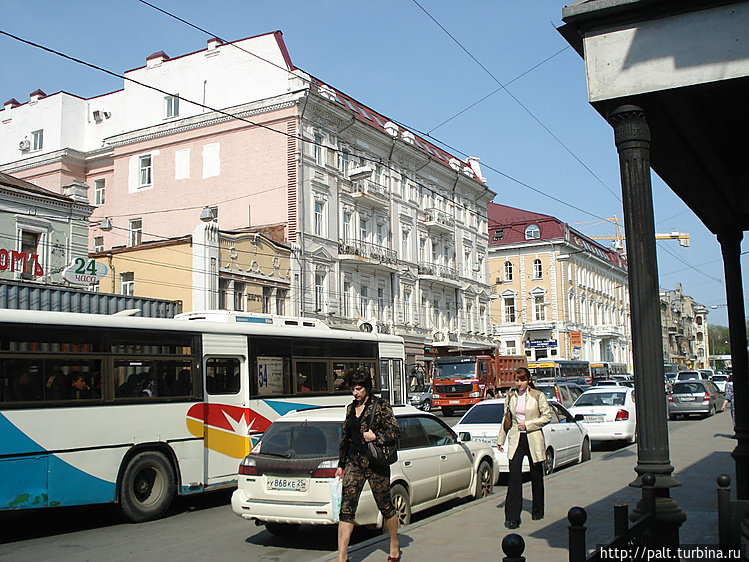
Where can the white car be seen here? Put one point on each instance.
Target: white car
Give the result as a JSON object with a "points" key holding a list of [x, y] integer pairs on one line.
{"points": [[566, 440], [286, 480], [720, 381], [608, 413]]}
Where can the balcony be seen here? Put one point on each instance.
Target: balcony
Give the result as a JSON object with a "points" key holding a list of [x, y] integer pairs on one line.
{"points": [[438, 221], [437, 273], [607, 331], [365, 253], [370, 194]]}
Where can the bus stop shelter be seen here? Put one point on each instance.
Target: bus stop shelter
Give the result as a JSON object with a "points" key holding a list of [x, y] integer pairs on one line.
{"points": [[672, 79]]}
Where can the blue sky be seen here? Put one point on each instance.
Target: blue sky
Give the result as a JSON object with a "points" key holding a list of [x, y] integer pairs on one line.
{"points": [[393, 57]]}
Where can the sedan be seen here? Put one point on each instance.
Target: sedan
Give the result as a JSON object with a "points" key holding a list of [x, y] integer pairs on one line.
{"points": [[608, 413], [695, 397], [566, 440], [287, 479]]}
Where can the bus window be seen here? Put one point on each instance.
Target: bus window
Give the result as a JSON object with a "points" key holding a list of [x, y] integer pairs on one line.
{"points": [[222, 375], [311, 376]]}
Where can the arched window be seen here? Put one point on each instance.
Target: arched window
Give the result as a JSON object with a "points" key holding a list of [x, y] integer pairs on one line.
{"points": [[508, 271], [538, 271], [532, 232]]}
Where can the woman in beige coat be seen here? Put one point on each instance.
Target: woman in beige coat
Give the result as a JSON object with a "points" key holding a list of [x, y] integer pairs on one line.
{"points": [[529, 411]]}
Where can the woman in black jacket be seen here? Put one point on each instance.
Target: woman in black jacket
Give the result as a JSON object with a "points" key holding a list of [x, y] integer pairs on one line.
{"points": [[354, 465]]}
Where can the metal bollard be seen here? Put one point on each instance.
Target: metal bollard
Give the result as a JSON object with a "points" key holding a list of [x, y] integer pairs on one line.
{"points": [[724, 509], [513, 546], [621, 519], [577, 518]]}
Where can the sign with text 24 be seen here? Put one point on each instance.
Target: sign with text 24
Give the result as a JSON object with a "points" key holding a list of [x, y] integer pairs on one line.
{"points": [[84, 271]]}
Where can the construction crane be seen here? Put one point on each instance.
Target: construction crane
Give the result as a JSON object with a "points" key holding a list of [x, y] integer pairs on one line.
{"points": [[619, 238]]}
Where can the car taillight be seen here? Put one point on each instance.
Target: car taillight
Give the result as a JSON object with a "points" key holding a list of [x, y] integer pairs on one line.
{"points": [[706, 398], [670, 397], [622, 415], [326, 469], [248, 467]]}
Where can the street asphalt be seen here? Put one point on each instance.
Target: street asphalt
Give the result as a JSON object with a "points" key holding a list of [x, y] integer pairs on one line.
{"points": [[699, 450]]}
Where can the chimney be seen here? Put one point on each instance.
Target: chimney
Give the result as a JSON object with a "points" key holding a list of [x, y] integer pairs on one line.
{"points": [[11, 103], [36, 95], [156, 59], [77, 190], [214, 42]]}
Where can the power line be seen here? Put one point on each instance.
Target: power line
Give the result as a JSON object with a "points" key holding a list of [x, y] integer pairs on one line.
{"points": [[503, 87]]}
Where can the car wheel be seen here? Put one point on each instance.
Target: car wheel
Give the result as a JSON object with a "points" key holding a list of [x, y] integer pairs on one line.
{"points": [[447, 412], [427, 405], [402, 504], [549, 462], [585, 451], [672, 417], [282, 529], [147, 487], [484, 481]]}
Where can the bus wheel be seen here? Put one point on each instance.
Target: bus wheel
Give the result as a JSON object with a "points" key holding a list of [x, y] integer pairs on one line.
{"points": [[147, 487]]}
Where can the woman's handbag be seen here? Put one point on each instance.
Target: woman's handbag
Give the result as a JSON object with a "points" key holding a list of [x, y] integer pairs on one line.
{"points": [[507, 421], [380, 455]]}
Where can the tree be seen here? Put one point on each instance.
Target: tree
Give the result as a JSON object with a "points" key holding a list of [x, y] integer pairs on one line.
{"points": [[720, 342]]}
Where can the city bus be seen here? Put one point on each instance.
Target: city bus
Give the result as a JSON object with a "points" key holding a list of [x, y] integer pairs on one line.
{"points": [[133, 411], [559, 368], [606, 369]]}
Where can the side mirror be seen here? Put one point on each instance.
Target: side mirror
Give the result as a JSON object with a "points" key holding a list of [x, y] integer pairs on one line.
{"points": [[464, 436], [579, 417]]}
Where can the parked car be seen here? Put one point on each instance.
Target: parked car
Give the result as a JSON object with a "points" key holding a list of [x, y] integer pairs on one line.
{"points": [[706, 373], [285, 480], [694, 397], [688, 376], [720, 381], [420, 396], [608, 413], [563, 392], [566, 440]]}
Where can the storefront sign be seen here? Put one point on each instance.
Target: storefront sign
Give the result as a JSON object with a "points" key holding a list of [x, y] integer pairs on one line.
{"points": [[84, 272], [576, 339], [20, 261], [543, 343]]}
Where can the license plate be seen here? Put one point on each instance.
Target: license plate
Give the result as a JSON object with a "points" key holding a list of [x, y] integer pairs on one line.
{"points": [[454, 401], [489, 440], [595, 419], [286, 484], [686, 398]]}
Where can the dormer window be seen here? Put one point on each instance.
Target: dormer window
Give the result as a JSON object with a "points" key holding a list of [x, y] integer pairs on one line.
{"points": [[532, 232]]}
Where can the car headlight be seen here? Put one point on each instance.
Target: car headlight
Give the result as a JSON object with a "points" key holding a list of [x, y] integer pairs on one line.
{"points": [[437, 396]]}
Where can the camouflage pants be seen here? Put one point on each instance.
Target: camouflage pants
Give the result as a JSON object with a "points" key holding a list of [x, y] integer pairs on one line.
{"points": [[353, 482]]}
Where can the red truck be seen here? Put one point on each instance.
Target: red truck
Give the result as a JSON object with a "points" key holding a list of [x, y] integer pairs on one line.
{"points": [[462, 378]]}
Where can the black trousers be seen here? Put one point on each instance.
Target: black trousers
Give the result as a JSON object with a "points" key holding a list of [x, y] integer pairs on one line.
{"points": [[514, 499]]}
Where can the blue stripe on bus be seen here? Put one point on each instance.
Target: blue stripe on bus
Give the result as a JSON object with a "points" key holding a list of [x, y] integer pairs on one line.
{"points": [[41, 479]]}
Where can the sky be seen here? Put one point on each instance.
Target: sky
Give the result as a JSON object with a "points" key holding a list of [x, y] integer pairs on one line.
{"points": [[436, 66]]}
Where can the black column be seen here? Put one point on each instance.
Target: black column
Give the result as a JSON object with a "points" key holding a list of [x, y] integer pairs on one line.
{"points": [[632, 138], [730, 245]]}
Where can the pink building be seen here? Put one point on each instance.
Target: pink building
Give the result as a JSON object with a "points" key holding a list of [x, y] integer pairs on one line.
{"points": [[387, 229]]}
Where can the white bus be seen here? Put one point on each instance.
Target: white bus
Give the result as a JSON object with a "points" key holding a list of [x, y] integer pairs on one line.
{"points": [[99, 409]]}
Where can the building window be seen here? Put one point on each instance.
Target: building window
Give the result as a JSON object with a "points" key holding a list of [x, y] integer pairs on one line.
{"points": [[223, 294], [127, 284], [346, 227], [144, 163], [381, 304], [343, 162], [407, 314], [239, 296], [317, 150], [380, 233], [538, 271], [347, 299], [499, 235], [281, 296], [267, 300], [508, 271], [135, 232], [319, 217], [532, 232], [510, 310], [363, 230], [539, 308], [406, 245], [319, 292], [172, 106], [511, 347], [363, 301], [37, 139], [29, 246], [98, 243], [98, 192]]}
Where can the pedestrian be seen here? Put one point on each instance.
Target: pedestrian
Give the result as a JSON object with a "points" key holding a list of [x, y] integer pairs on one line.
{"points": [[529, 412], [354, 466], [729, 398]]}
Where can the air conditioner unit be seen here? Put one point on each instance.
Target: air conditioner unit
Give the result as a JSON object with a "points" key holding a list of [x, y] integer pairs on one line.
{"points": [[25, 144], [98, 115], [365, 326]]}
